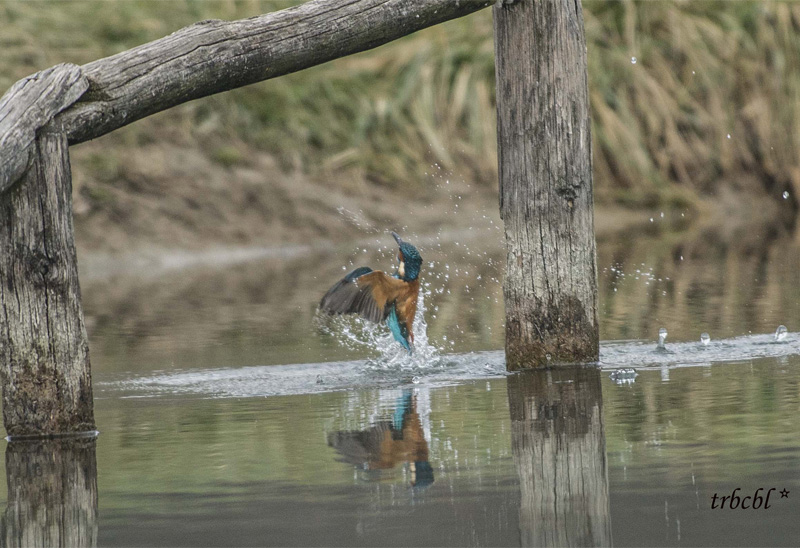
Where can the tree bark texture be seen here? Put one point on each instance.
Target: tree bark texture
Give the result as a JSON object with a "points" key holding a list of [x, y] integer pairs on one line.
{"points": [[26, 107], [545, 170], [558, 443], [44, 354], [214, 56], [52, 493]]}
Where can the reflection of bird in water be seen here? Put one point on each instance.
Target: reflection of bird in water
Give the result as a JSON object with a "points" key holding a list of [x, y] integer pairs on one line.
{"points": [[389, 442], [379, 297]]}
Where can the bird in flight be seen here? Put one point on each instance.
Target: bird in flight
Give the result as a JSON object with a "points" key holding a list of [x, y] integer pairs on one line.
{"points": [[380, 297]]}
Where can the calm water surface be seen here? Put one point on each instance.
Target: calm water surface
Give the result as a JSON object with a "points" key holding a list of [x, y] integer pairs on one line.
{"points": [[210, 436]]}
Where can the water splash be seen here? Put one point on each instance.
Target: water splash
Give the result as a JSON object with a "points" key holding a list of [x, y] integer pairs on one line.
{"points": [[705, 339], [662, 337], [279, 380], [355, 332], [311, 378], [780, 333], [624, 375], [637, 353]]}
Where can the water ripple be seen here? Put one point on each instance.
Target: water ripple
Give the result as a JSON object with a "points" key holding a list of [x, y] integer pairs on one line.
{"points": [[642, 354], [284, 380], [281, 380]]}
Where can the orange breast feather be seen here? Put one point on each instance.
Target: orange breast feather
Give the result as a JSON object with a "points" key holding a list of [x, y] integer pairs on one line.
{"points": [[387, 289], [407, 306]]}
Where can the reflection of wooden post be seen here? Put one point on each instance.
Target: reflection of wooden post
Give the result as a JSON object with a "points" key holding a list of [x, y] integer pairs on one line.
{"points": [[44, 353], [52, 493], [558, 443], [545, 171]]}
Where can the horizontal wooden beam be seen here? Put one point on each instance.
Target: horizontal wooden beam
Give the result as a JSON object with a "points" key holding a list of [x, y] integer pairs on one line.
{"points": [[214, 56], [28, 106]]}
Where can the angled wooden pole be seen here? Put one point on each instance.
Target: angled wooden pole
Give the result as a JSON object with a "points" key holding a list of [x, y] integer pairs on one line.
{"points": [[545, 169]]}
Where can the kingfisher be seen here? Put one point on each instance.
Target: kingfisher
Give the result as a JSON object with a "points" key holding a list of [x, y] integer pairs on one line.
{"points": [[380, 297]]}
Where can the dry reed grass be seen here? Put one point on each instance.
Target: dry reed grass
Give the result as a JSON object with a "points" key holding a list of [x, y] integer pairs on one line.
{"points": [[704, 70]]}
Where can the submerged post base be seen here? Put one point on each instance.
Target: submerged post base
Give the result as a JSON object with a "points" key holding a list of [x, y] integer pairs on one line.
{"points": [[66, 436]]}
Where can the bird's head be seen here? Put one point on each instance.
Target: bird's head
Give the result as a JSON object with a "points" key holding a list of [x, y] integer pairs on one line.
{"points": [[410, 260]]}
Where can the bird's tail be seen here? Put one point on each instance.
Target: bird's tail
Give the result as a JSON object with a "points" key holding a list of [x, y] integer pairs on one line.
{"points": [[399, 332]]}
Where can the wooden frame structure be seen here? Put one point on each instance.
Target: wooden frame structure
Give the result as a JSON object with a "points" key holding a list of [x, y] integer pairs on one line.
{"points": [[545, 174]]}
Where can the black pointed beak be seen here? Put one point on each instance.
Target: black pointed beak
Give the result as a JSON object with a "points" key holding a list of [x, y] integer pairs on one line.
{"points": [[397, 238]]}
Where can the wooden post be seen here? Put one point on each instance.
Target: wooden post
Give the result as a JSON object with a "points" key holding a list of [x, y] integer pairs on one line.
{"points": [[44, 354], [545, 169], [558, 443], [52, 493]]}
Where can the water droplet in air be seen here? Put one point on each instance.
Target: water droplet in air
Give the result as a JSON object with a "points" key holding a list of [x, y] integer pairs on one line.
{"points": [[786, 195], [633, 60], [729, 135], [548, 357], [780, 333], [662, 336], [705, 338]]}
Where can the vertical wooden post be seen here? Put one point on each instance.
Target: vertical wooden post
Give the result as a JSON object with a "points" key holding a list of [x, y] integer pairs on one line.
{"points": [[545, 169], [44, 354], [558, 443], [52, 493]]}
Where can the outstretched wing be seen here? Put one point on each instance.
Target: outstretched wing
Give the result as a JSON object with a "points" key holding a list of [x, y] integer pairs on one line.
{"points": [[365, 292]]}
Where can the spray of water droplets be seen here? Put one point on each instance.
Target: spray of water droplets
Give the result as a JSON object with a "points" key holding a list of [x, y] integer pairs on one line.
{"points": [[357, 333]]}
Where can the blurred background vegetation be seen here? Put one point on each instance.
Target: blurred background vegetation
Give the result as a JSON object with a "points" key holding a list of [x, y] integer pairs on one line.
{"points": [[695, 105]]}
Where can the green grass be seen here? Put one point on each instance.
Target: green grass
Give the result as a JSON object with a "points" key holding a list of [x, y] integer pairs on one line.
{"points": [[704, 70]]}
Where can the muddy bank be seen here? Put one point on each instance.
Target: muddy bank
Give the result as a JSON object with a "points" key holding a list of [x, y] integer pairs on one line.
{"points": [[162, 207], [160, 197]]}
